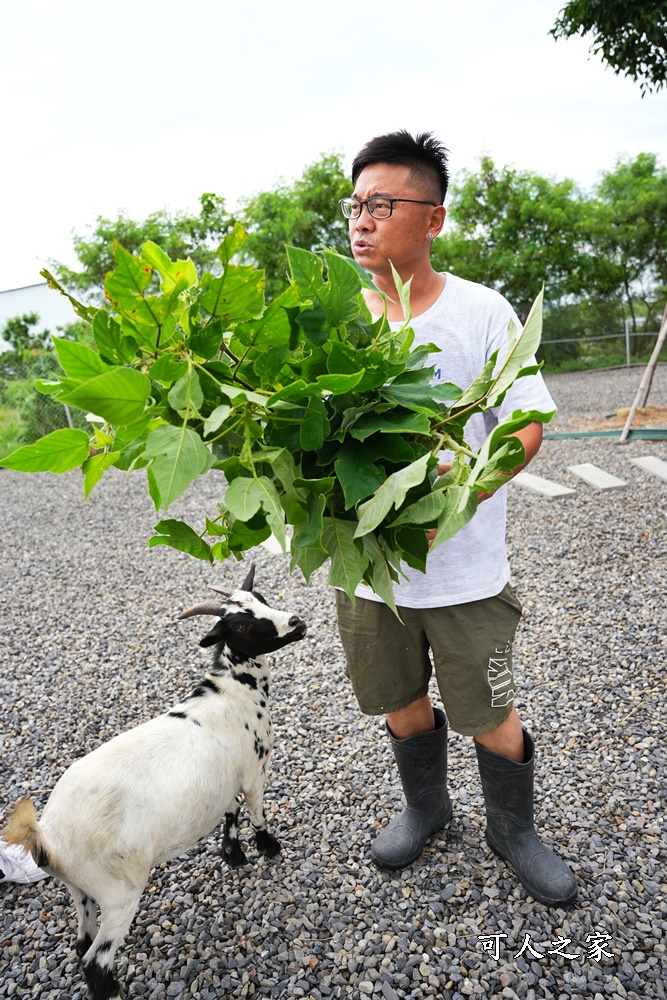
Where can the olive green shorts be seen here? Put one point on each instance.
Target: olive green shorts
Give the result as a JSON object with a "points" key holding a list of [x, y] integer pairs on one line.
{"points": [[471, 649]]}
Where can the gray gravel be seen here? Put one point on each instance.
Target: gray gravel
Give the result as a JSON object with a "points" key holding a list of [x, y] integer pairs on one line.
{"points": [[89, 646]]}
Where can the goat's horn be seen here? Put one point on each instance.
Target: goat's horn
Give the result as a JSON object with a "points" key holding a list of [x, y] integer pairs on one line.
{"points": [[219, 590], [208, 608], [249, 581]]}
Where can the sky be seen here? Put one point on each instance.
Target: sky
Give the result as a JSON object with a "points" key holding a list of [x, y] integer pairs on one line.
{"points": [[139, 105]]}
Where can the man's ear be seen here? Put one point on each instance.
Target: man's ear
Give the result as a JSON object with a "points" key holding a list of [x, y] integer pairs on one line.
{"points": [[437, 220]]}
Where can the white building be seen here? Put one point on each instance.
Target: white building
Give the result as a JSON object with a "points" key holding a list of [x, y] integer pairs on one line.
{"points": [[54, 310]]}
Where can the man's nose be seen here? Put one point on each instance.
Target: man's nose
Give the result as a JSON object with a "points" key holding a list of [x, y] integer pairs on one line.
{"points": [[364, 220]]}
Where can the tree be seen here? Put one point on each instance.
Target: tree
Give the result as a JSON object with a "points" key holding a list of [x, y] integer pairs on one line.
{"points": [[19, 334], [514, 230], [631, 37], [304, 213], [629, 230], [181, 235]]}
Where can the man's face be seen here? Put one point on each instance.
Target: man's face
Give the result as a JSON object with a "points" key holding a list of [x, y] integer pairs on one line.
{"points": [[402, 237]]}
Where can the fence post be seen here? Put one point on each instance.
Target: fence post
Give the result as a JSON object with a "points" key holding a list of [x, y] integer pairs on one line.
{"points": [[627, 342]]}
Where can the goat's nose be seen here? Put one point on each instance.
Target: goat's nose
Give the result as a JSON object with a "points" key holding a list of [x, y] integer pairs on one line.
{"points": [[297, 623]]}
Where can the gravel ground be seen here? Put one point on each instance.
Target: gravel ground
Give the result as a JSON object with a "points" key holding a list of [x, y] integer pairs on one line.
{"points": [[89, 646]]}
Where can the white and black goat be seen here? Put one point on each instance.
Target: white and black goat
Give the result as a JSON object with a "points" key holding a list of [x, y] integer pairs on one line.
{"points": [[153, 792]]}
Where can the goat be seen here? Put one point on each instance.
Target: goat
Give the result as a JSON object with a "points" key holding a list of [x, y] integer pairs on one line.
{"points": [[154, 791]]}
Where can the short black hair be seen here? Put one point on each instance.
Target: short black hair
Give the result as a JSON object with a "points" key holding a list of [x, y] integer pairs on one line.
{"points": [[423, 153]]}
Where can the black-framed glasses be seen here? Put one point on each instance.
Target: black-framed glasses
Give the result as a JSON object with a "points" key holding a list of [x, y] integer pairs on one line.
{"points": [[379, 206]]}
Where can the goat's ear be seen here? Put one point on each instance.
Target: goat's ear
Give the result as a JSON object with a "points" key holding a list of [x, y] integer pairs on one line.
{"points": [[215, 636], [249, 580]]}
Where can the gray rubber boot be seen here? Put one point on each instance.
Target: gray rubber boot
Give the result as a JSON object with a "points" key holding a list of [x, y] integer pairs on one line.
{"points": [[422, 766], [508, 793]]}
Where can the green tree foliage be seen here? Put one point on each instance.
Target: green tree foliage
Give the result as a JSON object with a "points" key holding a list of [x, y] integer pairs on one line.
{"points": [[303, 213], [630, 36], [319, 417], [182, 236], [29, 355], [514, 230], [630, 231], [21, 336]]}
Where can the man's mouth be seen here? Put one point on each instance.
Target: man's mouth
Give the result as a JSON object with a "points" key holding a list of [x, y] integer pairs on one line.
{"points": [[362, 245]]}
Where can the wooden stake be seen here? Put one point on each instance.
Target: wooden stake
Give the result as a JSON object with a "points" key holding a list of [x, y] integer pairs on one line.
{"points": [[647, 378]]}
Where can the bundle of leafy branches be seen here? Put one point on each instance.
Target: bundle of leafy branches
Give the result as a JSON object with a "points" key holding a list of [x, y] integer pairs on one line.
{"points": [[320, 417]]}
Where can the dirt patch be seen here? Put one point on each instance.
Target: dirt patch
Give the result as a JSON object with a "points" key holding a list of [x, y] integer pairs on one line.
{"points": [[645, 416]]}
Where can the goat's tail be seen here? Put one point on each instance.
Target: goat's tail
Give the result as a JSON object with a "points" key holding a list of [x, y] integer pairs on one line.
{"points": [[23, 829]]}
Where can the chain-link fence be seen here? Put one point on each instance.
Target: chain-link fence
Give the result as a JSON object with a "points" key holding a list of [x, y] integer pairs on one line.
{"points": [[594, 335], [25, 413]]}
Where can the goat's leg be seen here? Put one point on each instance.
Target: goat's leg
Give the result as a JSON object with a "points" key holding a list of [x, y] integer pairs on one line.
{"points": [[86, 912], [232, 851], [98, 962], [254, 797]]}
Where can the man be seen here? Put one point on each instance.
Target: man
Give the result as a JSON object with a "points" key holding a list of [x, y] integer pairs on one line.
{"points": [[462, 609]]}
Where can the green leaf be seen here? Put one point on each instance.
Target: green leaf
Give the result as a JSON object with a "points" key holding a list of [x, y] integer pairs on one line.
{"points": [[343, 301], [111, 342], [320, 486], [315, 324], [119, 395], [216, 419], [243, 497], [415, 397], [308, 531], [496, 442], [521, 349], [94, 468], [365, 277], [315, 426], [179, 535], [392, 493], [237, 295], [126, 284], [403, 289], [207, 340], [78, 361], [179, 456], [232, 243], [460, 507], [348, 562], [391, 423], [306, 269], [479, 387], [381, 572], [307, 559], [84, 312], [340, 384], [176, 275], [58, 452], [358, 476], [273, 510], [187, 392], [424, 510], [167, 369]]}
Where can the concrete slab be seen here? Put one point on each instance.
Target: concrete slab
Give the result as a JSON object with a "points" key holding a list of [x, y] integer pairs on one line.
{"points": [[597, 477], [544, 486], [655, 466]]}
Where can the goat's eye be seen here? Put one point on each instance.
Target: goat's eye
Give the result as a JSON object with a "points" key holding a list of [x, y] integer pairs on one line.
{"points": [[241, 627]]}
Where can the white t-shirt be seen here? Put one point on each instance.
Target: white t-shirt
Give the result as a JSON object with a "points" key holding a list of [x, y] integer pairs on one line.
{"points": [[468, 322]]}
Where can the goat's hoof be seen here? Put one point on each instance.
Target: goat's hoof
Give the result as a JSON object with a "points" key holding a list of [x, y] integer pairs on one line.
{"points": [[267, 843], [82, 945], [234, 856]]}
